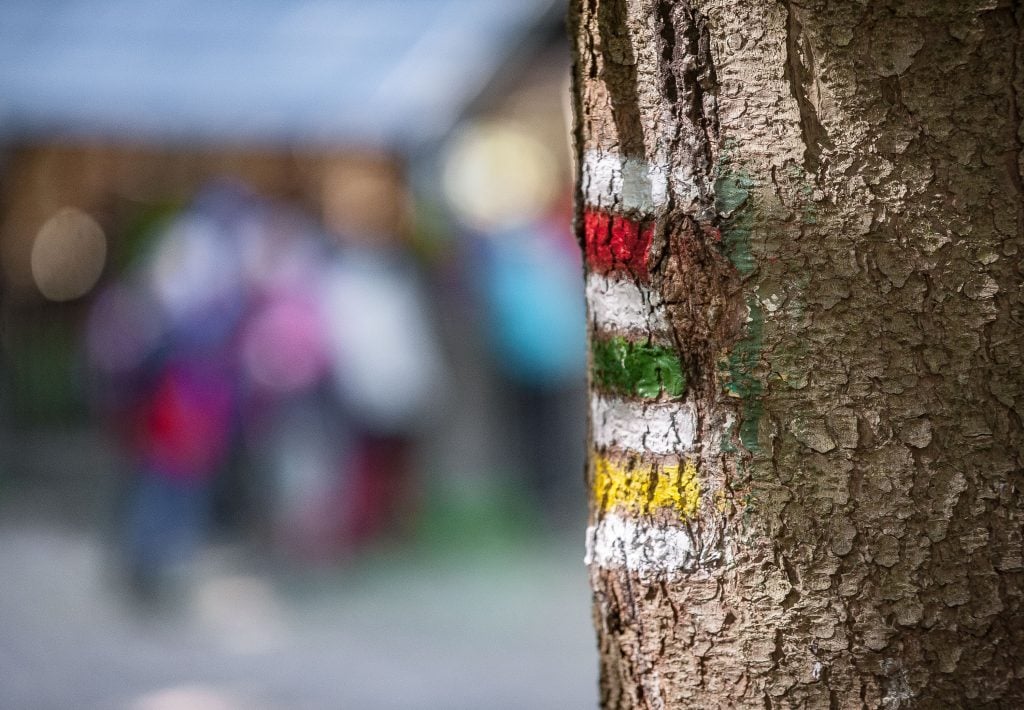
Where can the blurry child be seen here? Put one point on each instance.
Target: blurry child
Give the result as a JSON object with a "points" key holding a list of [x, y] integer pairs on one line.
{"points": [[387, 363], [163, 339]]}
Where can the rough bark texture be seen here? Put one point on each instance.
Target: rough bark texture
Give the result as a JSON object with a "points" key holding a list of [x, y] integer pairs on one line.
{"points": [[803, 225]]}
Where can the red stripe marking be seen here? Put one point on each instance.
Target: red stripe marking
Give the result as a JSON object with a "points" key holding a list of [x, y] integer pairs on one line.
{"points": [[616, 243]]}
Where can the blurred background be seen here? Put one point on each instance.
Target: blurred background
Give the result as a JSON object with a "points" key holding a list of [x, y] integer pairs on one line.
{"points": [[291, 357]]}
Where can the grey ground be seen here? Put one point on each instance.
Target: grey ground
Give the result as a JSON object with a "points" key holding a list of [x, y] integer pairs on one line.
{"points": [[487, 626], [508, 630]]}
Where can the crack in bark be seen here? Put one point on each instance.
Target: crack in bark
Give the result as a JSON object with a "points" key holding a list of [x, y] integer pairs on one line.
{"points": [[799, 72], [690, 83], [573, 29], [699, 286], [703, 292], [619, 72], [1017, 119]]}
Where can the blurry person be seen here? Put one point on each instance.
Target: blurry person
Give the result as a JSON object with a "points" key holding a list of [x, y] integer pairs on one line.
{"points": [[163, 338], [528, 276], [294, 434], [505, 187], [387, 364]]}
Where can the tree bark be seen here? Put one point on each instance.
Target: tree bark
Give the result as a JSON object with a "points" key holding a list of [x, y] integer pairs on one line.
{"points": [[802, 226]]}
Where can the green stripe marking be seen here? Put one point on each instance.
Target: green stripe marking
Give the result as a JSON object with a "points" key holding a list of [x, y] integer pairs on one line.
{"points": [[637, 369]]}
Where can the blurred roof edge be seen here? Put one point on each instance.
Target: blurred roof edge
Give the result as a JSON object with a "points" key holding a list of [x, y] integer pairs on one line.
{"points": [[310, 74]]}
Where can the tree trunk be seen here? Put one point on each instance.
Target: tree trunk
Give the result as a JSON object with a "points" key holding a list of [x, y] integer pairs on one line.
{"points": [[802, 225]]}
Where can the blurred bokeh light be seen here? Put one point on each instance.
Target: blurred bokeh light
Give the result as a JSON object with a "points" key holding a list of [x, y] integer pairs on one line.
{"points": [[497, 175], [68, 255]]}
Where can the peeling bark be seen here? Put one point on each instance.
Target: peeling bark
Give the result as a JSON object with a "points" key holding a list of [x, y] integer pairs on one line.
{"points": [[818, 207]]}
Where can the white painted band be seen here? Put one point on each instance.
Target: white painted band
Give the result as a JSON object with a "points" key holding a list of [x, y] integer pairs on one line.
{"points": [[659, 428], [644, 547], [618, 303], [612, 182]]}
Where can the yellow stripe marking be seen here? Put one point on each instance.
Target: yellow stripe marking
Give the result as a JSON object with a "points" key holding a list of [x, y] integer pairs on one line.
{"points": [[642, 489]]}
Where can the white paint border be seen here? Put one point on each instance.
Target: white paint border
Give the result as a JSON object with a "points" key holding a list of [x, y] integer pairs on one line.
{"points": [[647, 548], [618, 303], [612, 182], [659, 428]]}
